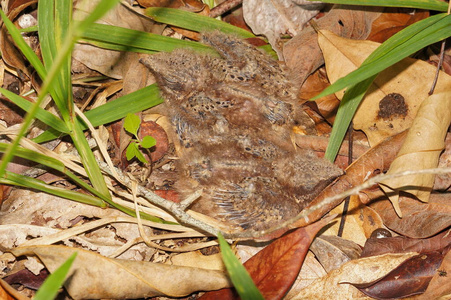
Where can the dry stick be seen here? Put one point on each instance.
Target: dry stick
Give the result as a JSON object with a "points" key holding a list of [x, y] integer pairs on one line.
{"points": [[177, 209], [437, 72], [224, 7], [346, 204]]}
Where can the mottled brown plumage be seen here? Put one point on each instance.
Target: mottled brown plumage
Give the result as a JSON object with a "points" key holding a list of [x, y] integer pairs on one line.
{"points": [[233, 117]]}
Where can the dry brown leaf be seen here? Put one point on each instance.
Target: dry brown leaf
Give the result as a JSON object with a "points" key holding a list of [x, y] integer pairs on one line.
{"points": [[439, 287], [392, 101], [196, 259], [333, 251], [114, 64], [361, 221], [420, 220], [421, 150], [276, 18], [336, 283], [93, 276], [302, 53]]}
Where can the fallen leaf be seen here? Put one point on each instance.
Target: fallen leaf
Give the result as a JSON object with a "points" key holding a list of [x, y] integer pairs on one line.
{"points": [[439, 287], [361, 221], [333, 251], [402, 244], [392, 101], [275, 268], [420, 150], [196, 259], [93, 276], [420, 220], [336, 282], [302, 53], [111, 63], [27, 278], [276, 18], [409, 278], [394, 20]]}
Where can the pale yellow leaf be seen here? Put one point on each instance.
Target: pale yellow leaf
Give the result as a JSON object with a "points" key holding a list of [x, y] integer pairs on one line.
{"points": [[93, 276], [421, 149], [409, 80]]}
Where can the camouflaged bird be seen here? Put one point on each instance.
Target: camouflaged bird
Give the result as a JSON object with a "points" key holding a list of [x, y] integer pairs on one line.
{"points": [[233, 118]]}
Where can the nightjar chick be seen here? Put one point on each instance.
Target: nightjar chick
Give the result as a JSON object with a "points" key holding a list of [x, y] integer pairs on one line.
{"points": [[232, 118]]}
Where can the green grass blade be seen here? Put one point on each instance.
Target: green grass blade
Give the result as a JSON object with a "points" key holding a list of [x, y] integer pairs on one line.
{"points": [[41, 114], [124, 39], [396, 48], [99, 11], [192, 21], [51, 163], [114, 110], [25, 181], [346, 110], [238, 274], [49, 289], [421, 4], [89, 161]]}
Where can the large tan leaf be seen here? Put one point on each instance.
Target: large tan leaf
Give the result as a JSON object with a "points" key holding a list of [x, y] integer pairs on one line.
{"points": [[421, 150], [93, 276], [392, 102]]}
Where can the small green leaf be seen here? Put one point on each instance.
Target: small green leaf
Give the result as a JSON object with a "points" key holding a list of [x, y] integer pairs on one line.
{"points": [[141, 158], [241, 279], [148, 142], [49, 289], [132, 149], [131, 124]]}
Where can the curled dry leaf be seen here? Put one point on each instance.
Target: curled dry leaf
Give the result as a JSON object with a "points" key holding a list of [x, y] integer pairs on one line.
{"points": [[333, 251], [402, 244], [93, 276], [421, 150], [302, 53], [356, 271], [392, 101], [439, 287], [409, 278], [420, 220], [394, 20], [276, 18]]}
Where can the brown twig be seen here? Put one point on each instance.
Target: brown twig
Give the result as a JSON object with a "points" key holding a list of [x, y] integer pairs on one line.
{"points": [[224, 7]]}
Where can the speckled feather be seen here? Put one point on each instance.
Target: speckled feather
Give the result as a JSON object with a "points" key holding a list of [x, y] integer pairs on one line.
{"points": [[233, 118]]}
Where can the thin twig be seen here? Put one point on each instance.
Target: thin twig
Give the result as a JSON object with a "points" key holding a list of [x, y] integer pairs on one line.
{"points": [[224, 7], [439, 66]]}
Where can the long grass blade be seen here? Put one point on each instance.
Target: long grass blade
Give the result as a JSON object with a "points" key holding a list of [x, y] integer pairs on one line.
{"points": [[114, 110], [396, 48], [346, 110], [421, 4], [124, 39], [192, 21]]}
